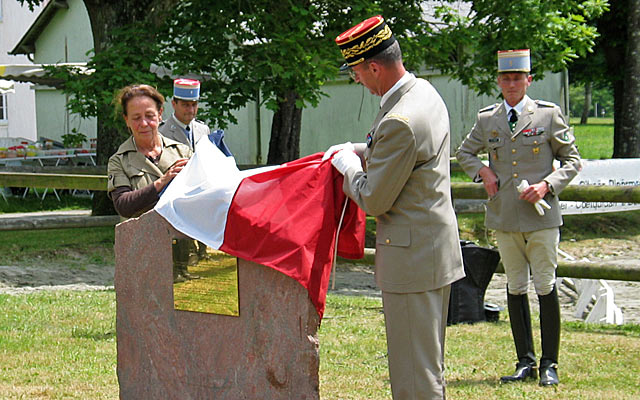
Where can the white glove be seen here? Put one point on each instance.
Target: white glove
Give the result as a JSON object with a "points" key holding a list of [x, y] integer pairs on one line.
{"points": [[346, 159], [539, 205], [336, 148]]}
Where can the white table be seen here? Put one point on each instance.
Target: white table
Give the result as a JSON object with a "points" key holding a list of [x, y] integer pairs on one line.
{"points": [[73, 158]]}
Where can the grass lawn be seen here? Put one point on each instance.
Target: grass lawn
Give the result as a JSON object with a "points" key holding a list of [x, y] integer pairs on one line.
{"points": [[31, 203], [61, 345], [58, 345], [594, 139], [69, 246]]}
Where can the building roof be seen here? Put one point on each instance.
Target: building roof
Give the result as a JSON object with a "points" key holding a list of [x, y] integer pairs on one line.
{"points": [[27, 45]]}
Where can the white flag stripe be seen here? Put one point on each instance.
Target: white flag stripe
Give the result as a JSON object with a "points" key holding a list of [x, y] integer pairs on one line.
{"points": [[197, 201]]}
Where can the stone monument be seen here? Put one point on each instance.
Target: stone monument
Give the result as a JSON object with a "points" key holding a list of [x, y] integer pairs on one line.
{"points": [[269, 351]]}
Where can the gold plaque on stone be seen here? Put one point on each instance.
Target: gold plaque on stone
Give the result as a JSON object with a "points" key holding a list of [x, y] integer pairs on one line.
{"points": [[209, 284]]}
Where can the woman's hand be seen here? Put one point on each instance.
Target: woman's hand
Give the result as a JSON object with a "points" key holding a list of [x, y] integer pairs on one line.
{"points": [[171, 173]]}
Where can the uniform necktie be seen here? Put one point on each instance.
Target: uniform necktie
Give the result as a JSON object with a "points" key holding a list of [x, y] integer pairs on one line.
{"points": [[513, 119], [189, 135]]}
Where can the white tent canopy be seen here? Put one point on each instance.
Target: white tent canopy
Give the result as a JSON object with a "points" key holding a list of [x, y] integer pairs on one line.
{"points": [[36, 73], [6, 86]]}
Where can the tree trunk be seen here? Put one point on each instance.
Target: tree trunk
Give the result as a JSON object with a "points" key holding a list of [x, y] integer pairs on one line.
{"points": [[109, 139], [285, 131], [587, 103], [627, 142], [105, 16]]}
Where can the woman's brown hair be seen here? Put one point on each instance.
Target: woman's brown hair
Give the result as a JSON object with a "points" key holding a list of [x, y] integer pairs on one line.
{"points": [[129, 92]]}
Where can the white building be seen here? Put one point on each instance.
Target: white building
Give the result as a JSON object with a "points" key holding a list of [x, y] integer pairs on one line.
{"points": [[17, 108]]}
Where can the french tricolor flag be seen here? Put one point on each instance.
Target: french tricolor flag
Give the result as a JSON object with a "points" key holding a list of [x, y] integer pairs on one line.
{"points": [[284, 217]]}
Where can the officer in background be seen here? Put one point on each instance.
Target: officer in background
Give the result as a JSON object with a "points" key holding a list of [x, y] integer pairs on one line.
{"points": [[182, 125], [184, 128], [522, 138]]}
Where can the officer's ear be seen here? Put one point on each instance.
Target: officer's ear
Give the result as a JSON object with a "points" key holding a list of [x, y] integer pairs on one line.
{"points": [[374, 66]]}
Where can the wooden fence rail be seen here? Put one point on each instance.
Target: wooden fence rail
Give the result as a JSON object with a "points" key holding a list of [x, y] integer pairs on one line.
{"points": [[53, 181], [627, 270], [590, 193], [459, 190]]}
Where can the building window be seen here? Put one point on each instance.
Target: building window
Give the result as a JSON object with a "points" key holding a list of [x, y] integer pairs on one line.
{"points": [[3, 107], [0, 10]]}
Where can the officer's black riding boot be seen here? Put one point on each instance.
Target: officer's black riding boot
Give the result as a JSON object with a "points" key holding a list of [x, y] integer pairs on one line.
{"points": [[520, 318], [550, 332]]}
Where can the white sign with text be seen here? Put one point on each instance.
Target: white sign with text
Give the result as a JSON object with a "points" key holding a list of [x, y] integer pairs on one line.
{"points": [[614, 172]]}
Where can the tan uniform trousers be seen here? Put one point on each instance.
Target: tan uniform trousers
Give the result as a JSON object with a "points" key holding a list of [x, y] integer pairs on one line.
{"points": [[415, 324], [526, 254]]}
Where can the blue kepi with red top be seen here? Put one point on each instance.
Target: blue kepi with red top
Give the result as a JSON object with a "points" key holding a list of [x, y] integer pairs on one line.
{"points": [[186, 89], [514, 61]]}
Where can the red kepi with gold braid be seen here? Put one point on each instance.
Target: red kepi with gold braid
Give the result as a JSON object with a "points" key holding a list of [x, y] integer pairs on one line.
{"points": [[364, 40]]}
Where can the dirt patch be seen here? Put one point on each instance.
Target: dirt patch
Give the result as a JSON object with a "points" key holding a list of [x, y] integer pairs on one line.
{"points": [[358, 280], [349, 279], [26, 279]]}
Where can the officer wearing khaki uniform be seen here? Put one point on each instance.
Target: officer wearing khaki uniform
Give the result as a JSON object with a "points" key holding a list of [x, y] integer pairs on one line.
{"points": [[183, 127], [522, 138], [405, 185]]}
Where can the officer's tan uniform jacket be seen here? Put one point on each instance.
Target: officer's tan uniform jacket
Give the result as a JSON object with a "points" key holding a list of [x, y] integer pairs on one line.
{"points": [[129, 167], [406, 187], [540, 135], [172, 130]]}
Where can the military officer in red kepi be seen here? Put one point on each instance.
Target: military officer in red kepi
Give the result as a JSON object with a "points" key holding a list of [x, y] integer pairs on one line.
{"points": [[404, 182]]}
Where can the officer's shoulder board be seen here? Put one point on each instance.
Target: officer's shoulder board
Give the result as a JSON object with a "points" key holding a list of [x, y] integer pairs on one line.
{"points": [[543, 103], [488, 108], [398, 116]]}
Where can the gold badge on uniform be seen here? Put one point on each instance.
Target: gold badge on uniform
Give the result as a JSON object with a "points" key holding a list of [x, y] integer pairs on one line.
{"points": [[536, 150], [494, 133]]}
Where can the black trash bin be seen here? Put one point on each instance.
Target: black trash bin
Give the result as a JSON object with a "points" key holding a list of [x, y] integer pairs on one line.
{"points": [[466, 304]]}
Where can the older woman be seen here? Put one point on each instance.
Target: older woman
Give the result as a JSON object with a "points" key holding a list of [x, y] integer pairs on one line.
{"points": [[146, 162]]}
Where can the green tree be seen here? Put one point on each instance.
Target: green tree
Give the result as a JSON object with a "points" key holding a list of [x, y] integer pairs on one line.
{"points": [[466, 42], [601, 94], [122, 54], [284, 51], [626, 86], [614, 65], [279, 52]]}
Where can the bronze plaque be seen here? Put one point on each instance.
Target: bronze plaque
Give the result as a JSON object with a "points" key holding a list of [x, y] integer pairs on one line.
{"points": [[208, 283]]}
